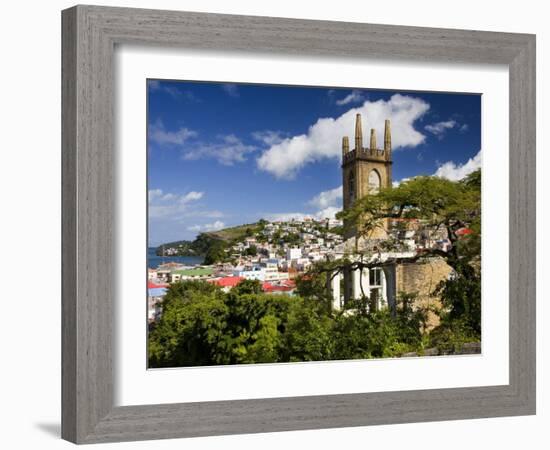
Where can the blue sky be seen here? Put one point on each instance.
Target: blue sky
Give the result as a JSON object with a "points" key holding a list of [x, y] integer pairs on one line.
{"points": [[226, 154]]}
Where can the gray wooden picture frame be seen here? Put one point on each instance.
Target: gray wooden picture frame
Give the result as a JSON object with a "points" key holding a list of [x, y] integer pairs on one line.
{"points": [[90, 34]]}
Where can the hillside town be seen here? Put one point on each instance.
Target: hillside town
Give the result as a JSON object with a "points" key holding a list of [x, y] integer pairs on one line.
{"points": [[276, 255]]}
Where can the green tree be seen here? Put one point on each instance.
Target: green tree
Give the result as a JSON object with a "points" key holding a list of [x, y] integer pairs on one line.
{"points": [[314, 287], [252, 250], [308, 334], [266, 342], [438, 202], [215, 253], [193, 322], [247, 287], [292, 239]]}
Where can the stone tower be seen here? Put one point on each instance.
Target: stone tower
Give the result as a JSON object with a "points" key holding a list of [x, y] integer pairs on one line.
{"points": [[365, 169]]}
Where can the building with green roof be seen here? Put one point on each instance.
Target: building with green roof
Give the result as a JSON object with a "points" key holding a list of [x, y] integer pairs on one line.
{"points": [[185, 274]]}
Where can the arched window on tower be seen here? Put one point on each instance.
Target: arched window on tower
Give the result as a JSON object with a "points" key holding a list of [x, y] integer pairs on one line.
{"points": [[351, 186], [374, 182]]}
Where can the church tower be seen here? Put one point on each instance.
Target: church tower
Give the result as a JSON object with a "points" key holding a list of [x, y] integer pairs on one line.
{"points": [[365, 169]]}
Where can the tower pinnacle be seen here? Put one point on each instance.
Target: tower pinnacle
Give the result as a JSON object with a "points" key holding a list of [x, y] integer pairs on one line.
{"points": [[373, 139], [345, 146], [387, 139], [358, 133]]}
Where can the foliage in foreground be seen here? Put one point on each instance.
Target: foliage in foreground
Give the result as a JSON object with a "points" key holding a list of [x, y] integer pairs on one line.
{"points": [[201, 325]]}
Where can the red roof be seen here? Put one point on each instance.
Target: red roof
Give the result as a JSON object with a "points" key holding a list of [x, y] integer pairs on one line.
{"points": [[464, 231], [227, 281], [151, 285], [268, 287]]}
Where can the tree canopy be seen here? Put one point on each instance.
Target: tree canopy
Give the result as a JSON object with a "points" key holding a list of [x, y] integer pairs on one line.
{"points": [[201, 325]]}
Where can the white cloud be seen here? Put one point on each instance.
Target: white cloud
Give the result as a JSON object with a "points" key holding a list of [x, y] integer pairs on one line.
{"points": [[452, 171], [285, 217], [227, 152], [332, 197], [191, 196], [439, 129], [269, 137], [159, 195], [354, 96], [167, 204], [217, 225], [327, 203], [455, 172], [161, 136], [173, 90], [396, 183], [323, 138], [231, 89], [327, 213], [154, 193]]}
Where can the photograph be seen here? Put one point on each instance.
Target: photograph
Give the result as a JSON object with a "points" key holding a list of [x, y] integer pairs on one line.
{"points": [[297, 223]]}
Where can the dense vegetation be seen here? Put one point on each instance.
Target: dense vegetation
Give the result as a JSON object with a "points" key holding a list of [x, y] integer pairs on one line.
{"points": [[202, 325]]}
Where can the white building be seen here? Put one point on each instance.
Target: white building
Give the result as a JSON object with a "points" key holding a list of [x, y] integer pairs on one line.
{"points": [[264, 272], [379, 282], [293, 253], [369, 282], [272, 274], [301, 264], [251, 273]]}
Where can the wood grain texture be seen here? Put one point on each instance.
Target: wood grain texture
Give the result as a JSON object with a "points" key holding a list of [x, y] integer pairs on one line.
{"points": [[89, 36], [68, 226]]}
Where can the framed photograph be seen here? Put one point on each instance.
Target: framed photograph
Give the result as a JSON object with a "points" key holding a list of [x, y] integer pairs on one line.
{"points": [[335, 219]]}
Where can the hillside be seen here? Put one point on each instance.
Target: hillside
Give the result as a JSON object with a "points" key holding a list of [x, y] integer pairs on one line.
{"points": [[206, 241], [237, 233]]}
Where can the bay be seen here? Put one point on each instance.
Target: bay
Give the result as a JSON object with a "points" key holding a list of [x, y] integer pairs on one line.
{"points": [[153, 260]]}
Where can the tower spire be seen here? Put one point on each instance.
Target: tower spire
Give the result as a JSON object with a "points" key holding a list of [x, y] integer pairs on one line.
{"points": [[358, 133], [387, 139], [373, 139], [345, 146]]}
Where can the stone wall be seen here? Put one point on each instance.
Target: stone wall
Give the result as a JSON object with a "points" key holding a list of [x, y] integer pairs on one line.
{"points": [[421, 278]]}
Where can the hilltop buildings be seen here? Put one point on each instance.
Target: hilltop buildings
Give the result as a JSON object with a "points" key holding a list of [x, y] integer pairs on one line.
{"points": [[282, 250]]}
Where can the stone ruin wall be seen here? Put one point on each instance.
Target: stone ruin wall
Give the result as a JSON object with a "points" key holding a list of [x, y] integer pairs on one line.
{"points": [[421, 278]]}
